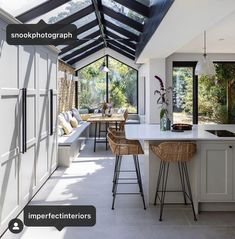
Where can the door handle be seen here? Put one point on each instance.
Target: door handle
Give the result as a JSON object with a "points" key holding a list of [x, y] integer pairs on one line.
{"points": [[51, 111], [230, 146], [24, 121], [25, 128]]}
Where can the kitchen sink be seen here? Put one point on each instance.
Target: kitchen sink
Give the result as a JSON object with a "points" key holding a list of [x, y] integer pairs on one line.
{"points": [[222, 133]]}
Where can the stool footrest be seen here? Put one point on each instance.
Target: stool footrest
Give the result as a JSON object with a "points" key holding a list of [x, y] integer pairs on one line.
{"points": [[128, 193], [126, 179], [125, 171], [127, 183]]}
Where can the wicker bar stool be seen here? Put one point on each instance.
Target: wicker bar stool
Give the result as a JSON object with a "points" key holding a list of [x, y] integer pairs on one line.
{"points": [[121, 147], [120, 126], [178, 152]]}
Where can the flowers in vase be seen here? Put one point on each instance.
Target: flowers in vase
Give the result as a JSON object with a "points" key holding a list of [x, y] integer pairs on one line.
{"points": [[163, 99]]}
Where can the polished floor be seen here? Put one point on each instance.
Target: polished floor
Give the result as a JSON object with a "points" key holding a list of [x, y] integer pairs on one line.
{"points": [[89, 181]]}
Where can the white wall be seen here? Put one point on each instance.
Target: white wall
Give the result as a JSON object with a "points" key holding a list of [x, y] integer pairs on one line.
{"points": [[149, 70]]}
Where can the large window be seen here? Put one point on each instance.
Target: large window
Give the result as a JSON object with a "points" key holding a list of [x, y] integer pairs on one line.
{"points": [[183, 94], [203, 99], [118, 87]]}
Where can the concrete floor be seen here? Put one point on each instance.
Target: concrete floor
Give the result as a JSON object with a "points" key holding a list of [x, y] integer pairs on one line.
{"points": [[89, 181]]}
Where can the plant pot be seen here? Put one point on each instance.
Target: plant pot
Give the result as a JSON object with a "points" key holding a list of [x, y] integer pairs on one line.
{"points": [[163, 123]]}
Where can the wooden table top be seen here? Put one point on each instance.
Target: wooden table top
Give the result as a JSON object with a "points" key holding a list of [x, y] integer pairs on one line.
{"points": [[99, 118]]}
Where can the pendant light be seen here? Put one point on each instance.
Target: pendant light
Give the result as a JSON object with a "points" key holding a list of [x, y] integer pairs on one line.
{"points": [[205, 66], [103, 67]]}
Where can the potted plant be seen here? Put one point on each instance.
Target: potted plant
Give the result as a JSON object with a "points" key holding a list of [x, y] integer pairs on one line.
{"points": [[165, 123]]}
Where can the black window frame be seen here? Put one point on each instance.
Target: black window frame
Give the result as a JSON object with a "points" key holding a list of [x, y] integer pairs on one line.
{"points": [[106, 57], [195, 85]]}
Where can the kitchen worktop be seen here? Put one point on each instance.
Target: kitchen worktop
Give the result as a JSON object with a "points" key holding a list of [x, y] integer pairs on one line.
{"points": [[152, 132]]}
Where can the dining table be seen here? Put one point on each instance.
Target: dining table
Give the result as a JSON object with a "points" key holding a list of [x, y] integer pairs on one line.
{"points": [[98, 119]]}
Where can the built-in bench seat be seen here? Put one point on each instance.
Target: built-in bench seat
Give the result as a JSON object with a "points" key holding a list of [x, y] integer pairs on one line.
{"points": [[69, 145], [133, 119]]}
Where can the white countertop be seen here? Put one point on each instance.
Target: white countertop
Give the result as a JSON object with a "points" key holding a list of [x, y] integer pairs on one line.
{"points": [[152, 132]]}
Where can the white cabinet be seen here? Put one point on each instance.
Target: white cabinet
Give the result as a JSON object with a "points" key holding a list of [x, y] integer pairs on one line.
{"points": [[217, 172], [33, 68]]}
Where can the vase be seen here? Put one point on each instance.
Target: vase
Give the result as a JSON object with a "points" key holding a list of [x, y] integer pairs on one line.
{"points": [[163, 123]]}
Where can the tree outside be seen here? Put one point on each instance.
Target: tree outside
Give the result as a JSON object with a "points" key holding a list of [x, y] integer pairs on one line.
{"points": [[216, 103], [122, 86]]}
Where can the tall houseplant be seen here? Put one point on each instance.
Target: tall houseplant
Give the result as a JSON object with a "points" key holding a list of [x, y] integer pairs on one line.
{"points": [[163, 101]]}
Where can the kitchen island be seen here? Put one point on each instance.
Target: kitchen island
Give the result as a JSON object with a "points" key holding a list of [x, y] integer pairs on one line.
{"points": [[212, 170]]}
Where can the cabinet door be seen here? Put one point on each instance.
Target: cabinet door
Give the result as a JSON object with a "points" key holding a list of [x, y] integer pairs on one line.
{"points": [[27, 161], [216, 172], [9, 146], [43, 113], [52, 150]]}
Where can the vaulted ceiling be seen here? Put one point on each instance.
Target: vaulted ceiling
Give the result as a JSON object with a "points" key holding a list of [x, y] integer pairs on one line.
{"points": [[114, 24]]}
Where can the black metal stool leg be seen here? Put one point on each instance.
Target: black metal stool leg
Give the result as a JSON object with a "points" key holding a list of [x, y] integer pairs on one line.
{"points": [[95, 136], [138, 173], [115, 169], [164, 184], [185, 169], [182, 182], [117, 173], [158, 182], [99, 128], [106, 132], [116, 180]]}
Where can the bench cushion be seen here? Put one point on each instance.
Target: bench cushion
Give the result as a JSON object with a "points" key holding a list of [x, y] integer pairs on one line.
{"points": [[67, 140], [132, 121]]}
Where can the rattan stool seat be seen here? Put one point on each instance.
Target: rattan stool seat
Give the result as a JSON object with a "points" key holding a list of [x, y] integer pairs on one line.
{"points": [[175, 151], [122, 146]]}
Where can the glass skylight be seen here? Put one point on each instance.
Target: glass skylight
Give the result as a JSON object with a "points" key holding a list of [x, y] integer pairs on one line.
{"points": [[16, 7], [88, 32], [84, 20], [63, 11], [124, 10], [120, 24]]}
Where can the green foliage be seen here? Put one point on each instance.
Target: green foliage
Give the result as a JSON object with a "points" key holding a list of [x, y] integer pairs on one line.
{"points": [[85, 100], [122, 86], [212, 93], [71, 7]]}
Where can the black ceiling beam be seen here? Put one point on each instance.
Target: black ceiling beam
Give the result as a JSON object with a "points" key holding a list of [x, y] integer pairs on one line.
{"points": [[158, 10], [98, 16], [79, 42], [86, 27], [121, 46], [135, 6], [122, 18], [40, 10], [121, 52], [86, 54], [122, 31], [124, 41], [77, 15], [81, 50]]}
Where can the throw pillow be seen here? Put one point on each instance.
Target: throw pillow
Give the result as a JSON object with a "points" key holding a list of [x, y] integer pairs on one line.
{"points": [[65, 125], [76, 114], [74, 122]]}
